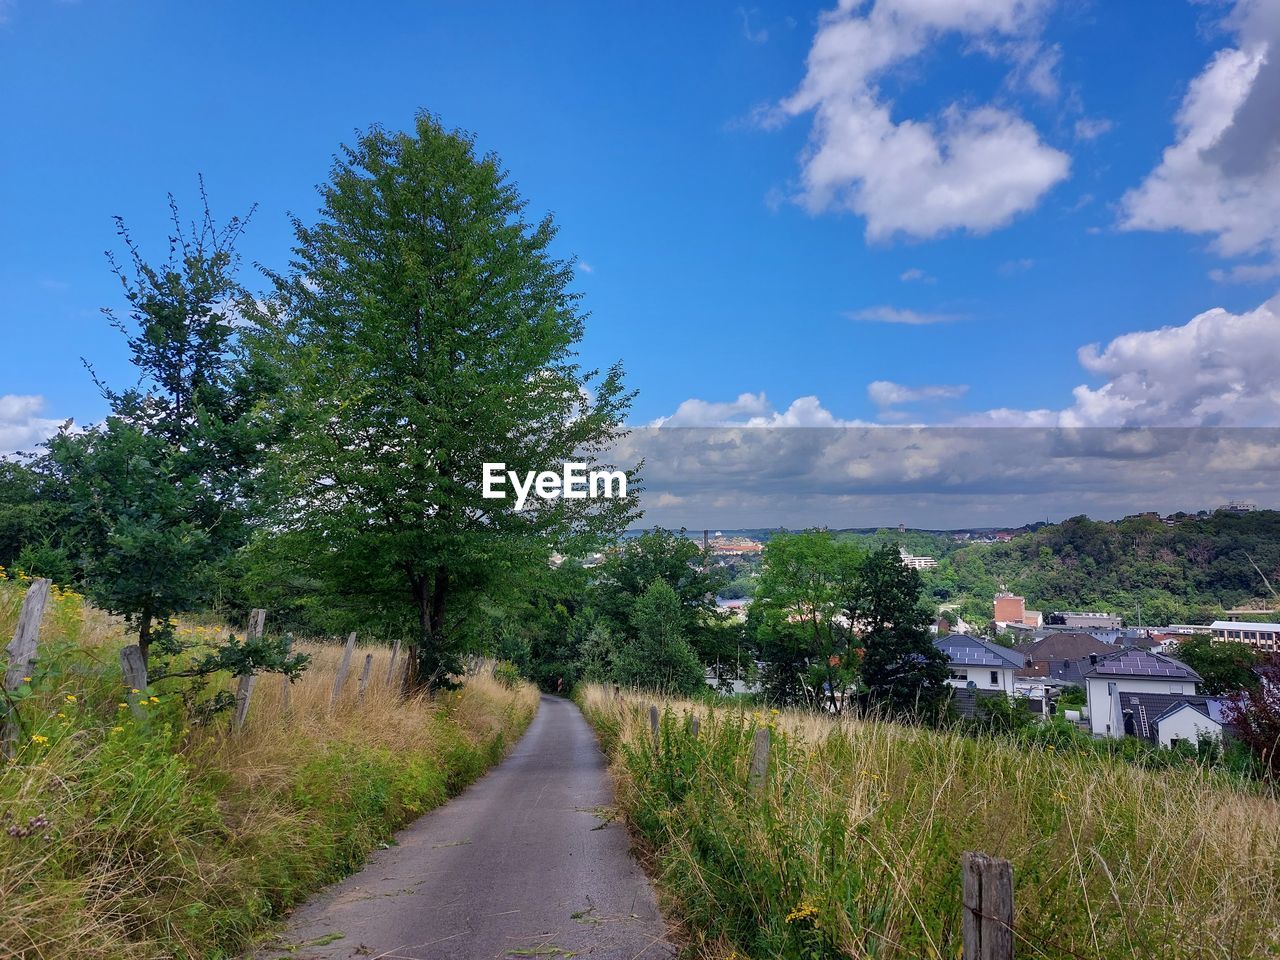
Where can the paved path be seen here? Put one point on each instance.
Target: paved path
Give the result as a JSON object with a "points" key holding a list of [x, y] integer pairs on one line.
{"points": [[524, 863]]}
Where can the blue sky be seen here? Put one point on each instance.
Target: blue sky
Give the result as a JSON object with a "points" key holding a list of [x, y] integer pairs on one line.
{"points": [[744, 226]]}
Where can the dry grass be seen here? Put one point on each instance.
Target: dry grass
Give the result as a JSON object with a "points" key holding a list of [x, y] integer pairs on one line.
{"points": [[168, 840], [858, 834]]}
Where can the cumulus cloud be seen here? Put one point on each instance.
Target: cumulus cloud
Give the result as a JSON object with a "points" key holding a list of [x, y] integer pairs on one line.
{"points": [[970, 169], [1221, 176], [22, 426], [915, 275], [751, 410], [887, 314]]}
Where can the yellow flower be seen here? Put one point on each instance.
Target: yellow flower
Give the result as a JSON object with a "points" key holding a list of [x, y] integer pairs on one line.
{"points": [[1050, 746], [155, 699], [135, 690], [61, 715], [26, 679], [37, 738], [71, 698], [117, 729], [804, 911], [123, 706]]}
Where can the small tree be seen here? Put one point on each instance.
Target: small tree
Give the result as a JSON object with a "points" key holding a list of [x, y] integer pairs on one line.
{"points": [[902, 669], [1255, 714], [1224, 666], [161, 492], [658, 656]]}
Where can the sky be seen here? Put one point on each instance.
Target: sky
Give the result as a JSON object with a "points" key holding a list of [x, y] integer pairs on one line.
{"points": [[1026, 213]]}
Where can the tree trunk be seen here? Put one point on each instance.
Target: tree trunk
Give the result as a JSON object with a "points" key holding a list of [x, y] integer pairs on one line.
{"points": [[426, 667], [144, 637]]}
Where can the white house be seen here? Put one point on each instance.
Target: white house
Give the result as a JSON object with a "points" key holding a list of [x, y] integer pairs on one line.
{"points": [[1108, 676], [1188, 721], [980, 664]]}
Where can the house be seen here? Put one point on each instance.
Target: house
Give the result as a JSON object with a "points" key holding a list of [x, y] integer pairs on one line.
{"points": [[1098, 621], [980, 664], [1059, 647], [1109, 676], [1169, 718]]}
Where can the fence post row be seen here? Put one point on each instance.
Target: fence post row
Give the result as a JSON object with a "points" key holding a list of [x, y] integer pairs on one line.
{"points": [[343, 667], [244, 689], [987, 920], [759, 760], [22, 652]]}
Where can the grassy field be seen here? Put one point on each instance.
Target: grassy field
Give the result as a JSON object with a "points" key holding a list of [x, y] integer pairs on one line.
{"points": [[148, 838], [853, 847]]}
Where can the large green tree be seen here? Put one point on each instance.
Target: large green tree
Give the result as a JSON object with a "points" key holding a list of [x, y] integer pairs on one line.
{"points": [[1224, 666], [658, 656], [426, 328], [805, 637], [902, 669]]}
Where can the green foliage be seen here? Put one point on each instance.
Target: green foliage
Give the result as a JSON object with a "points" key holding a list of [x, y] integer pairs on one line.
{"points": [[807, 585], [32, 517], [159, 493], [658, 656], [1225, 666], [424, 329], [902, 669]]}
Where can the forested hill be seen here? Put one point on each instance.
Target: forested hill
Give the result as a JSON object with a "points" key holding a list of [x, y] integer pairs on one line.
{"points": [[1182, 572]]}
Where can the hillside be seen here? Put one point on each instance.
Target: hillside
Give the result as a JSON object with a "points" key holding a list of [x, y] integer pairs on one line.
{"points": [[1186, 572]]}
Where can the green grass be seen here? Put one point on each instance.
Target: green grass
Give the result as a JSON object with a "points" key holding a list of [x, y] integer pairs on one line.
{"points": [[853, 846], [168, 840]]}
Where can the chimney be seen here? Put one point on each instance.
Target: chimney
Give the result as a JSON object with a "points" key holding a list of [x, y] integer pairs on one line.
{"points": [[1093, 659]]}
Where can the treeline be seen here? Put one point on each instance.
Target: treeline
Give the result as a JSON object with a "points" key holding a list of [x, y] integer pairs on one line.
{"points": [[315, 446], [1186, 572]]}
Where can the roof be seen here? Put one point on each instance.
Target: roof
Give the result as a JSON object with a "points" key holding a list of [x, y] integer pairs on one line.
{"points": [[1150, 708], [1067, 645], [1140, 664], [970, 651], [1243, 625]]}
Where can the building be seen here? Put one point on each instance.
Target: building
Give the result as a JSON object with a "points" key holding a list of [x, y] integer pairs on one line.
{"points": [[1009, 608], [1264, 637], [1109, 677], [1096, 621], [1168, 719], [980, 664], [916, 563], [1239, 506]]}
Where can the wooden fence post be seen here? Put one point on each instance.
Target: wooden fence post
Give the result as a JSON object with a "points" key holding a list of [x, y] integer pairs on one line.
{"points": [[391, 667], [653, 726], [134, 670], [244, 689], [987, 920], [695, 724], [22, 652], [759, 760], [343, 667], [364, 675]]}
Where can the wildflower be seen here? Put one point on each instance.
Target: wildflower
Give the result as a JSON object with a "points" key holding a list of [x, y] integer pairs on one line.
{"points": [[775, 712], [71, 698], [804, 911], [37, 738], [61, 715], [26, 679], [1050, 747], [135, 690], [155, 699], [117, 729], [123, 706]]}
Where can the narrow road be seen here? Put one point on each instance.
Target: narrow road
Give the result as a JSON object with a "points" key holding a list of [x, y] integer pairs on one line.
{"points": [[527, 862]]}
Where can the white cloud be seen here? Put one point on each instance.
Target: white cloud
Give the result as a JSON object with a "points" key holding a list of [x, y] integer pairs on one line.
{"points": [[584, 267], [915, 275], [760, 35], [751, 410], [886, 393], [1221, 176], [1218, 369], [1090, 128], [1010, 267], [972, 169], [887, 314], [21, 425]]}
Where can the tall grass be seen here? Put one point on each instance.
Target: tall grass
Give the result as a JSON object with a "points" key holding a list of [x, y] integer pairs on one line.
{"points": [[853, 846], [152, 837]]}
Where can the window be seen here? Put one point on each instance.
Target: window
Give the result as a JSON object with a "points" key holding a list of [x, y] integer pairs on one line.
{"points": [[959, 674], [1175, 688], [995, 678]]}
